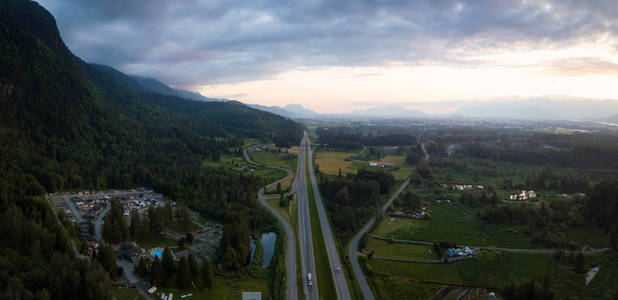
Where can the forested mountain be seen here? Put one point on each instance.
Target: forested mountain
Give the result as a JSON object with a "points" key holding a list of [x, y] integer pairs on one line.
{"points": [[159, 87], [66, 124]]}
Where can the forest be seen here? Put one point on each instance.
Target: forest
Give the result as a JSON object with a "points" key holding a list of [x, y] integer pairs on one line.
{"points": [[353, 198], [66, 125]]}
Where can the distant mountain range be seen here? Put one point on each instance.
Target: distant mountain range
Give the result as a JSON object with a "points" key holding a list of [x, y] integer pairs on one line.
{"points": [[538, 109]]}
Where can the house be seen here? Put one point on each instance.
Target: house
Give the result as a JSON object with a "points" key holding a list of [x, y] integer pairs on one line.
{"points": [[371, 164], [387, 165]]}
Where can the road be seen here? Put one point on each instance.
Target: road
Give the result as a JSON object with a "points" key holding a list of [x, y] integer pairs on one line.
{"points": [[353, 248], [98, 223], [341, 286], [290, 252], [515, 250], [305, 239]]}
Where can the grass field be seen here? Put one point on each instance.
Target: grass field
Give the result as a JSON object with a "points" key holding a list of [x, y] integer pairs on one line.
{"points": [[331, 161], [160, 241], [393, 288], [127, 294], [498, 269], [279, 159], [325, 278], [399, 250], [226, 288]]}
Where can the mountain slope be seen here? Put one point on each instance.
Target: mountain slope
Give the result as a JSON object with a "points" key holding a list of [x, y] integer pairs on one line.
{"points": [[156, 86], [66, 125]]}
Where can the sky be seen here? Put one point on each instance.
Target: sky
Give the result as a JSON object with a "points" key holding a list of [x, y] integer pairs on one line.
{"points": [[338, 56]]}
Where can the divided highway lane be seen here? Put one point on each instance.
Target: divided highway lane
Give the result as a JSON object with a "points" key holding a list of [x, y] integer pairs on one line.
{"points": [[305, 240], [341, 286], [353, 248], [290, 252]]}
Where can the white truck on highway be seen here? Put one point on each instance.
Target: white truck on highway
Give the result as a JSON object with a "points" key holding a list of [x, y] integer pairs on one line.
{"points": [[309, 279]]}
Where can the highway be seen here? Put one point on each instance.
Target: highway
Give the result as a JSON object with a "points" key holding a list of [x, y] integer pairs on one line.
{"points": [[305, 239], [353, 248], [341, 286], [290, 252]]}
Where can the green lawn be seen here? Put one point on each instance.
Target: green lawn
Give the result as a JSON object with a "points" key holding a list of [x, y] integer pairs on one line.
{"points": [[160, 241], [127, 294], [331, 161], [498, 269], [268, 174], [390, 288], [226, 288], [279, 159], [399, 250], [456, 223], [326, 285]]}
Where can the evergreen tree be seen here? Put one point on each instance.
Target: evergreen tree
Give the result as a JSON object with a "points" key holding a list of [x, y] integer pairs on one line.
{"points": [[184, 274], [580, 263], [230, 259], [157, 273], [169, 267], [135, 226], [195, 271], [108, 259], [208, 279]]}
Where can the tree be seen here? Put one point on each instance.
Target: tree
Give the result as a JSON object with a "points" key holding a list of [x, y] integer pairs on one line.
{"points": [[230, 259], [157, 273], [169, 267], [580, 263], [281, 201], [189, 238], [135, 226], [207, 276], [108, 259], [194, 270], [184, 274], [183, 216]]}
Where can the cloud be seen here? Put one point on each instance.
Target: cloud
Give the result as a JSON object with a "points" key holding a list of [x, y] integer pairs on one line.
{"points": [[198, 42]]}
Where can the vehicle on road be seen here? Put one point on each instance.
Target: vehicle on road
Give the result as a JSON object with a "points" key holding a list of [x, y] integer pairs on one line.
{"points": [[309, 279]]}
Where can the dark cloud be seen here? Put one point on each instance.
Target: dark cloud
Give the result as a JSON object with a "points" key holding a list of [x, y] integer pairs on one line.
{"points": [[193, 42]]}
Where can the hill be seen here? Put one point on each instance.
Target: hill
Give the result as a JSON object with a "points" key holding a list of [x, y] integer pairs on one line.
{"points": [[156, 86], [66, 124]]}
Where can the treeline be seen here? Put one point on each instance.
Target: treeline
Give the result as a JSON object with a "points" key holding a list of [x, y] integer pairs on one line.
{"points": [[68, 125], [346, 138], [234, 251], [353, 198], [184, 274], [549, 223], [547, 178]]}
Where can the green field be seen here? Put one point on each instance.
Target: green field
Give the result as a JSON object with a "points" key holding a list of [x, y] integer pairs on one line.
{"points": [[399, 250], [279, 159], [325, 277], [160, 241], [494, 269], [226, 288], [331, 161], [391, 288], [127, 294]]}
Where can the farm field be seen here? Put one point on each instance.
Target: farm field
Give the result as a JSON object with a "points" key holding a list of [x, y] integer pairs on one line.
{"points": [[399, 250], [279, 159], [331, 161], [494, 269], [396, 288], [226, 288]]}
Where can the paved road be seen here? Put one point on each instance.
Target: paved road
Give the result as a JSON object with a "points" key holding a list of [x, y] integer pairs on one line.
{"points": [[305, 238], [98, 223], [290, 253], [353, 248], [341, 286], [516, 250]]}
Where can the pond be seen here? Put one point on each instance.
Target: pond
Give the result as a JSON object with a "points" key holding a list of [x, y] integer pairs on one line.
{"points": [[268, 241]]}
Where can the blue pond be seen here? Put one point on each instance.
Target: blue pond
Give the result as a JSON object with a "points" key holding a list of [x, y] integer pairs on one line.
{"points": [[268, 241]]}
